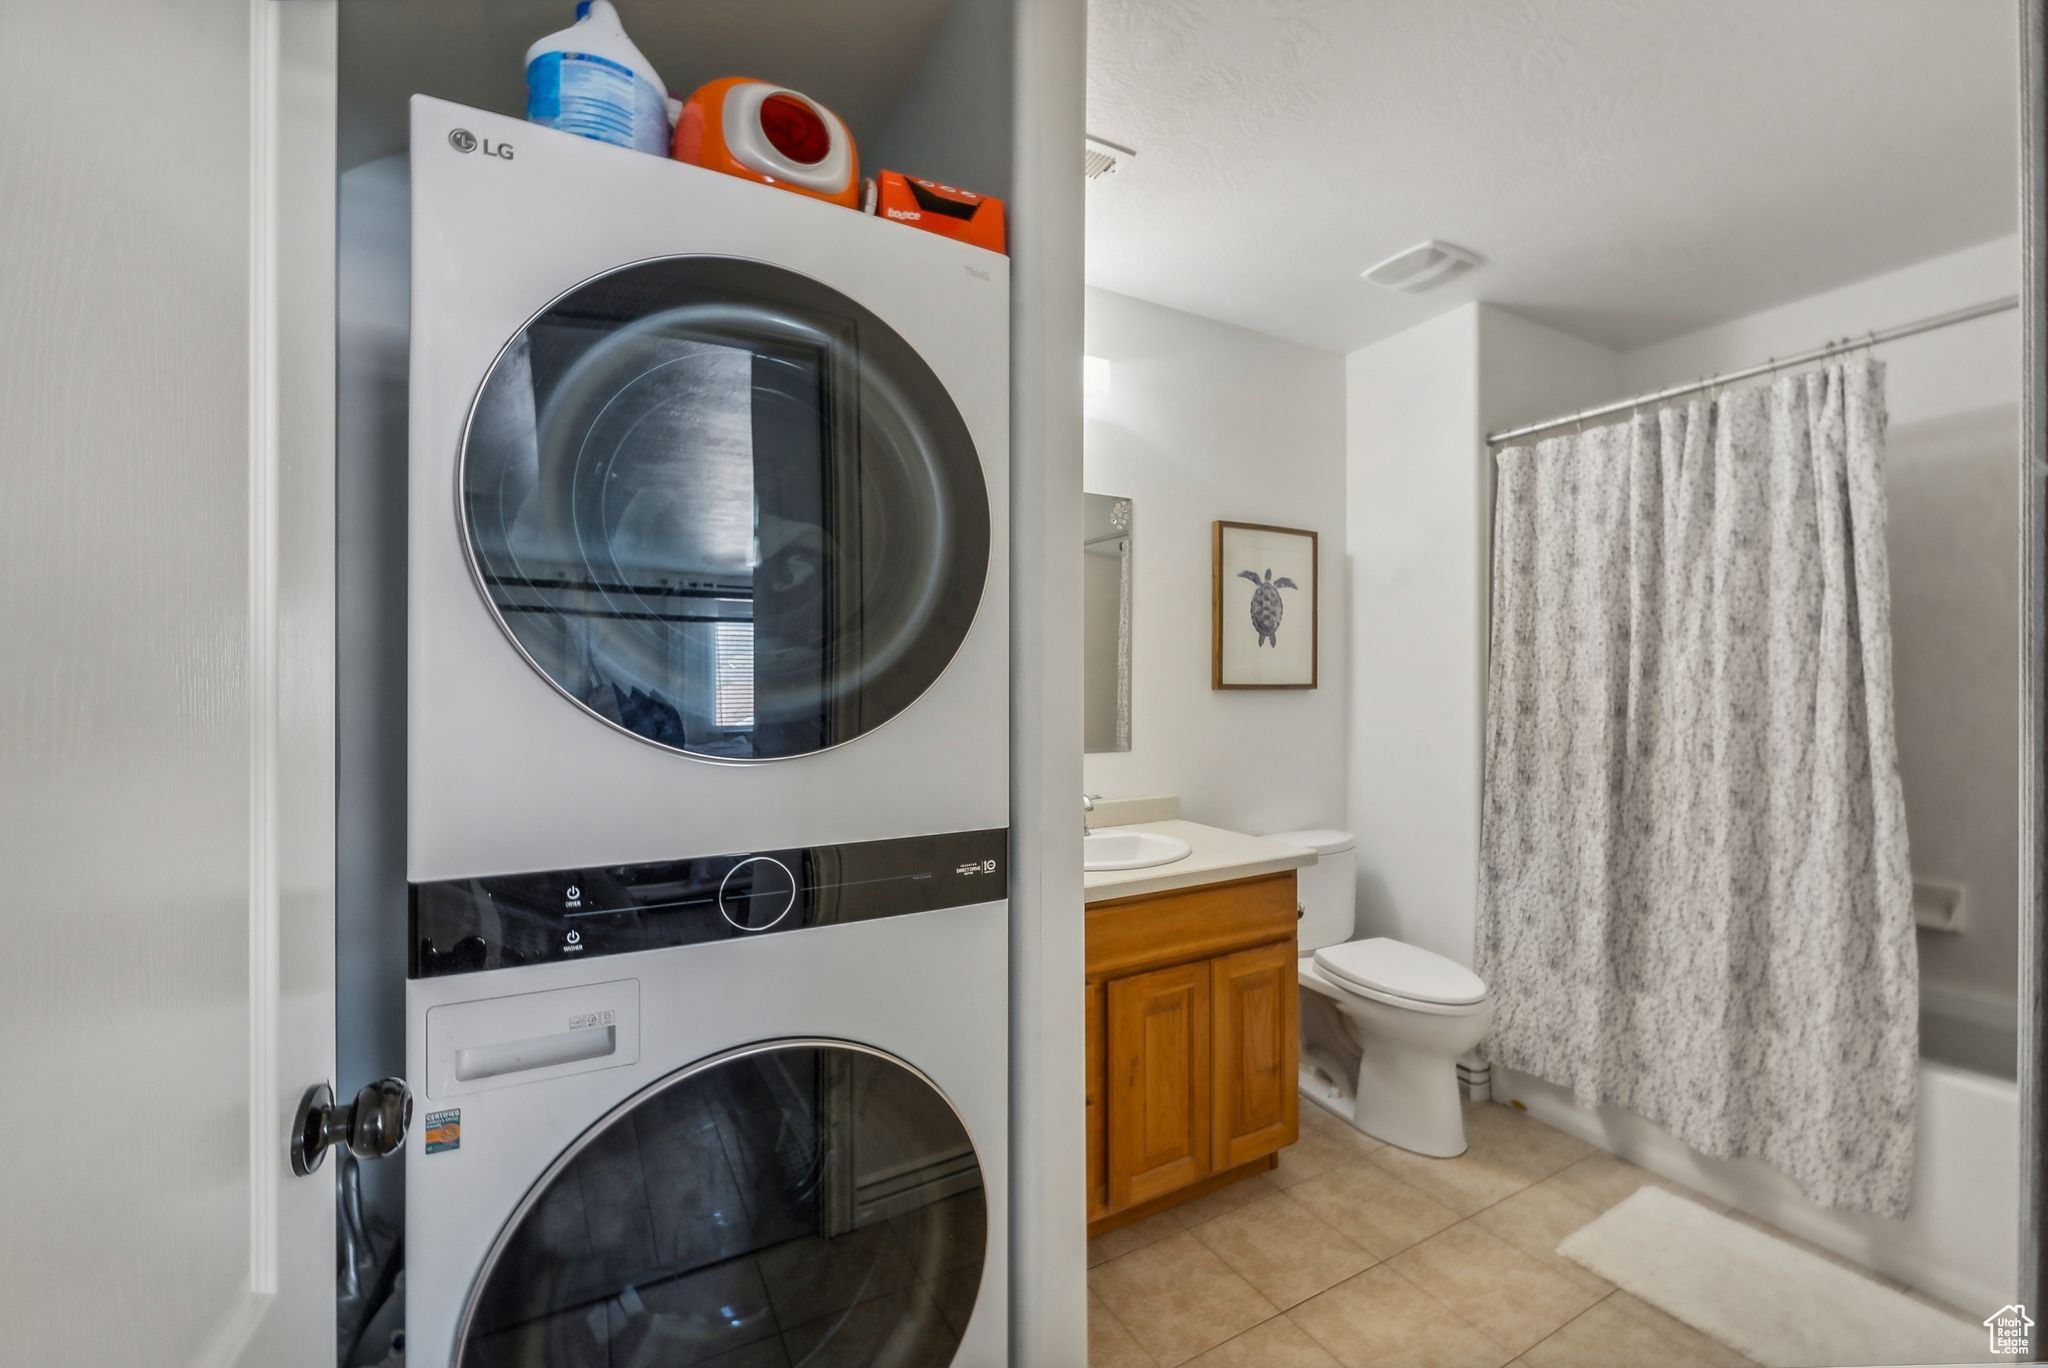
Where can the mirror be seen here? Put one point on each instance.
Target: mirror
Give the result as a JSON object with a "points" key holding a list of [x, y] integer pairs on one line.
{"points": [[1106, 622]]}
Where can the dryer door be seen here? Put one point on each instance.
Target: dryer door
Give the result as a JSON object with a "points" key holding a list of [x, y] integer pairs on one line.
{"points": [[799, 1202], [724, 508]]}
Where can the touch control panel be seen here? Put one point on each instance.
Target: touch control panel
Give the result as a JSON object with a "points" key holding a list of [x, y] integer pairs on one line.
{"points": [[757, 893], [462, 926]]}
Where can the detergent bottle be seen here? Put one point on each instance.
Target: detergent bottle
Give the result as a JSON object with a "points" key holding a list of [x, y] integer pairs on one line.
{"points": [[590, 79]]}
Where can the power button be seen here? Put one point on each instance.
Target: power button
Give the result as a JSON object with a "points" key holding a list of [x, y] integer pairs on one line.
{"points": [[756, 893]]}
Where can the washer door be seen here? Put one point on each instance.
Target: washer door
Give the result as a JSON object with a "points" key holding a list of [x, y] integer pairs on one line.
{"points": [[724, 508], [803, 1202]]}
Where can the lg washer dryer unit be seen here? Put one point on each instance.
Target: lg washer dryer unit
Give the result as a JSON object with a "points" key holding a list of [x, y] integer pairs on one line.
{"points": [[739, 1110], [707, 545]]}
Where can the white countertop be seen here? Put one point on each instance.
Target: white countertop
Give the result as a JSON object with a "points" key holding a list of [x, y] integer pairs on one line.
{"points": [[1217, 857]]}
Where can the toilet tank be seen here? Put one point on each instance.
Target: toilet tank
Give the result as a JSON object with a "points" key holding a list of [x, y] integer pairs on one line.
{"points": [[1328, 889]]}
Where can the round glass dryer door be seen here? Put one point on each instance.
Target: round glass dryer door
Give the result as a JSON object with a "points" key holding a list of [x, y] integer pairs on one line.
{"points": [[724, 508], [808, 1202]]}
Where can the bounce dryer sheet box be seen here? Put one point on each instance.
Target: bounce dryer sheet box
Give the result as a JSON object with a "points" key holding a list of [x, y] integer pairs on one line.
{"points": [[942, 209]]}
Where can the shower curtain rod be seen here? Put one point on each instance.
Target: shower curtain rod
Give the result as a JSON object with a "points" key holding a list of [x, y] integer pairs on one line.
{"points": [[1984, 310]]}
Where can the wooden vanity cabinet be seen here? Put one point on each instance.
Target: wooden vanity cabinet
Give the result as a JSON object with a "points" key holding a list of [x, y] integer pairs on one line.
{"points": [[1098, 1104], [1158, 1062], [1256, 1017], [1193, 1032]]}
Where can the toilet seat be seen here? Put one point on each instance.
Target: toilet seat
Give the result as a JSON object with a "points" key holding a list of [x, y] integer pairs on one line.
{"points": [[1394, 971], [1312, 977]]}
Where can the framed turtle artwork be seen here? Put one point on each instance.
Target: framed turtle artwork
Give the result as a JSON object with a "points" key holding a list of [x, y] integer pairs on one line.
{"points": [[1263, 614]]}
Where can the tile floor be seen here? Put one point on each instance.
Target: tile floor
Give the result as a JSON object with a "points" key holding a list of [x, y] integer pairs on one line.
{"points": [[1354, 1253]]}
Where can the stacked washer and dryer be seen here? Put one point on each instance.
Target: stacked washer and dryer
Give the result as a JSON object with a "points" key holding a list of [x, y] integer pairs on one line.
{"points": [[707, 768]]}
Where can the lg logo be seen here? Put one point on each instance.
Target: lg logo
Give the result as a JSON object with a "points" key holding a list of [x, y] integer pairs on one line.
{"points": [[462, 140]]}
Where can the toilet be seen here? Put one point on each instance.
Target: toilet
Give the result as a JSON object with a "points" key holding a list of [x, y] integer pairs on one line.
{"points": [[1382, 1022]]}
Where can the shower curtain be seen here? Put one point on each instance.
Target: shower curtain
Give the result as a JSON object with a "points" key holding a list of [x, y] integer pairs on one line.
{"points": [[1695, 900]]}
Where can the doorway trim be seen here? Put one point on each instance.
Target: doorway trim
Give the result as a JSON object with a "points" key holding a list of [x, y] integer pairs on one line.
{"points": [[2033, 967]]}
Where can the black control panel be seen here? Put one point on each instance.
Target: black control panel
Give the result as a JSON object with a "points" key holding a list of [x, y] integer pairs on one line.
{"points": [[502, 921]]}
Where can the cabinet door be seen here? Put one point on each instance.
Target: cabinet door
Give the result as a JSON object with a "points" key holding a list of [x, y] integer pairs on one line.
{"points": [[1158, 1066], [1257, 1038], [1098, 1105]]}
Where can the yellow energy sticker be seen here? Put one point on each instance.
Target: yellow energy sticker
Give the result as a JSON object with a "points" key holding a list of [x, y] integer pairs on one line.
{"points": [[444, 1130]]}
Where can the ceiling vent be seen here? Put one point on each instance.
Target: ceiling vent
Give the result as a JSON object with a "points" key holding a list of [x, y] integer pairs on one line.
{"points": [[1105, 157], [1423, 267]]}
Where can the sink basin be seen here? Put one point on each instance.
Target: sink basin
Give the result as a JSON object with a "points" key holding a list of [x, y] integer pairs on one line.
{"points": [[1131, 850]]}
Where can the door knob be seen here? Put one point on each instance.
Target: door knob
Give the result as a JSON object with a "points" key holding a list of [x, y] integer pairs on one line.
{"points": [[372, 1126]]}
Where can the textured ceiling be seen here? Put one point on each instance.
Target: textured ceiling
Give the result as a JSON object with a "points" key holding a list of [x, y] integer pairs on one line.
{"points": [[855, 57], [1632, 169]]}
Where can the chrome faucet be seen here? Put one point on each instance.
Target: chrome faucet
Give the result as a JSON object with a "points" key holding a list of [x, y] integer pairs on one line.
{"points": [[1088, 801]]}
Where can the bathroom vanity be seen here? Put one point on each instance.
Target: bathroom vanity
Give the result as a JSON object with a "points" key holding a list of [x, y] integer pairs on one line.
{"points": [[1193, 1022]]}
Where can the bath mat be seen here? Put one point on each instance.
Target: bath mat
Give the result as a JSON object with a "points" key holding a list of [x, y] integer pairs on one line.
{"points": [[1761, 1296]]}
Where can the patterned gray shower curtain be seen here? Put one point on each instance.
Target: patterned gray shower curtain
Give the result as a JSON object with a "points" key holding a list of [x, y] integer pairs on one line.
{"points": [[1695, 900]]}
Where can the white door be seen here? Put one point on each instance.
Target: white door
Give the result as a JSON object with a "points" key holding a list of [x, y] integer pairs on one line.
{"points": [[166, 679]]}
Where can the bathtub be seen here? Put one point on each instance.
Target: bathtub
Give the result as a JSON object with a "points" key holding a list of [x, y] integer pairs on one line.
{"points": [[1960, 1241]]}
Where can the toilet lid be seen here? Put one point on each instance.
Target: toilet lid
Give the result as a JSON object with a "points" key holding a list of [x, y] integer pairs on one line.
{"points": [[1401, 970]]}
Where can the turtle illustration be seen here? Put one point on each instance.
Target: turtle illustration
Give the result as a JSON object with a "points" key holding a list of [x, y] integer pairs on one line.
{"points": [[1266, 605]]}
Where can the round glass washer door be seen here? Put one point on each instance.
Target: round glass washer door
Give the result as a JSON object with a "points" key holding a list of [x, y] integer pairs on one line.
{"points": [[724, 508], [804, 1202]]}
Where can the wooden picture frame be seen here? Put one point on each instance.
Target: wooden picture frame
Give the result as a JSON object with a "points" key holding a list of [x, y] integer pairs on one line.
{"points": [[1246, 619]]}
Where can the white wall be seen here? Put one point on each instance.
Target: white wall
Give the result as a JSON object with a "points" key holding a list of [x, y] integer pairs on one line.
{"points": [[1048, 1135], [1529, 372], [1414, 516], [1953, 399], [1203, 421], [1419, 508], [1955, 370], [954, 121]]}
